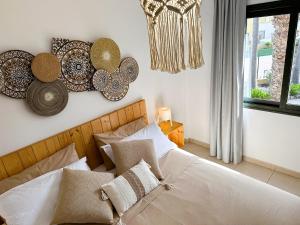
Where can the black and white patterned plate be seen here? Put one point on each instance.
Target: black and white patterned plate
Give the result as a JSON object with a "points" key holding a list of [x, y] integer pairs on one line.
{"points": [[117, 87], [101, 79], [76, 67], [15, 67], [129, 67]]}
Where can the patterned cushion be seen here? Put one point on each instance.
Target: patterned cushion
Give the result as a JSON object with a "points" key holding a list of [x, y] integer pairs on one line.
{"points": [[130, 187]]}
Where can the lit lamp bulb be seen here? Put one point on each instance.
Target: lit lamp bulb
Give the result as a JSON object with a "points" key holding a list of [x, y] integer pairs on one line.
{"points": [[165, 114]]}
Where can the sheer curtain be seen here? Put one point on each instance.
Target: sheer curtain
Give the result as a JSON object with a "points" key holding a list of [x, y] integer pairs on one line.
{"points": [[227, 81]]}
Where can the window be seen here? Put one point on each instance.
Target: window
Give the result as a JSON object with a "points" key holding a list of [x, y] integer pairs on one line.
{"points": [[272, 57]]}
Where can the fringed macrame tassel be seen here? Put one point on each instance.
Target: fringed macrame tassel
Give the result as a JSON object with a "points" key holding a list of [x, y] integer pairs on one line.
{"points": [[169, 41], [153, 46], [195, 38], [182, 44], [104, 196], [168, 187]]}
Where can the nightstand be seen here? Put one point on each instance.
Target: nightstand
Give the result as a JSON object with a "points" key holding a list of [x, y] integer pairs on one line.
{"points": [[175, 133]]}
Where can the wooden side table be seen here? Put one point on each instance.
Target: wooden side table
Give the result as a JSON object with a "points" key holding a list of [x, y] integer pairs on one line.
{"points": [[175, 133]]}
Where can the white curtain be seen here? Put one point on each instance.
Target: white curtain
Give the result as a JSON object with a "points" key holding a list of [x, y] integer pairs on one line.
{"points": [[227, 81]]}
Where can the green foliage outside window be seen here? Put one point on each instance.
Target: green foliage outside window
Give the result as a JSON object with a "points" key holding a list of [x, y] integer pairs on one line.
{"points": [[260, 94], [295, 89]]}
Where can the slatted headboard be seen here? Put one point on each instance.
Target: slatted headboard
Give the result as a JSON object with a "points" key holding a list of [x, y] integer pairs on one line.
{"points": [[81, 135]]}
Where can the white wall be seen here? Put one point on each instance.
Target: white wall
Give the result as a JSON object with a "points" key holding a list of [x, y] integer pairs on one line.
{"points": [[198, 83], [29, 25], [273, 138]]}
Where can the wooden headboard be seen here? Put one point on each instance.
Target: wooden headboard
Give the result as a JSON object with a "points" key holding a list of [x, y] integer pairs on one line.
{"points": [[81, 135]]}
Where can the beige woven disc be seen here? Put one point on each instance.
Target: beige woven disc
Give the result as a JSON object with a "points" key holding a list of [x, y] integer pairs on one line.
{"points": [[47, 99], [46, 67], [105, 54]]}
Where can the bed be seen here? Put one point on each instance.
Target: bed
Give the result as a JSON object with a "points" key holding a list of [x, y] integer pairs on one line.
{"points": [[201, 192]]}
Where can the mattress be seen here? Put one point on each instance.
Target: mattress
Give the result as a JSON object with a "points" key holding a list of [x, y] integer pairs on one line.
{"points": [[206, 193]]}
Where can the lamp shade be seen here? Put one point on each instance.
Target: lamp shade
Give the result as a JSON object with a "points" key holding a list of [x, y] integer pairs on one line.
{"points": [[164, 114]]}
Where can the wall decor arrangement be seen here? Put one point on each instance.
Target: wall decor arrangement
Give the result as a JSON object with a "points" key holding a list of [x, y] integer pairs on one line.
{"points": [[46, 79], [170, 22]]}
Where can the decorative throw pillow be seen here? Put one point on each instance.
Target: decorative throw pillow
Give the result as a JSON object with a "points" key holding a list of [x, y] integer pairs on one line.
{"points": [[115, 136], [129, 153], [79, 199], [130, 187], [56, 161]]}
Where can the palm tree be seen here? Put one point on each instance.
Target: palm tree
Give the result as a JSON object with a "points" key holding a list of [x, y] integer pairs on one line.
{"points": [[279, 39]]}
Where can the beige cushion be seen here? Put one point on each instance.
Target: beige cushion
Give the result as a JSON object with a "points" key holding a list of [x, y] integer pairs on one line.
{"points": [[130, 187], [129, 153], [79, 198], [115, 136], [56, 161]]}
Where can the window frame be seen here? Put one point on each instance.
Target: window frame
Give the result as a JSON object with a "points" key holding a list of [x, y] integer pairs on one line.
{"points": [[270, 9]]}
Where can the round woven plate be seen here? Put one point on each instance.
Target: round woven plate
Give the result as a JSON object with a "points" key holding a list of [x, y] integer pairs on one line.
{"points": [[117, 87], [101, 79], [45, 67], [15, 67], [129, 67], [47, 99], [76, 68], [105, 54]]}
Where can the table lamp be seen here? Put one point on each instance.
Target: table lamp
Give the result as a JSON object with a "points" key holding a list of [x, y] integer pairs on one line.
{"points": [[165, 114]]}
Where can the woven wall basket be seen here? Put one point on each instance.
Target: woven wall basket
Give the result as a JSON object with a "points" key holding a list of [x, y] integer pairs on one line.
{"points": [[105, 54], [46, 67], [47, 99]]}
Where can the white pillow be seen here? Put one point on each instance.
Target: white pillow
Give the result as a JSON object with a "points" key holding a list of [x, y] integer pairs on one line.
{"points": [[33, 203], [162, 144], [108, 151]]}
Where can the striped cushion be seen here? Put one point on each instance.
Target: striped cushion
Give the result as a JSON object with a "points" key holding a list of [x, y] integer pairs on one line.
{"points": [[130, 187]]}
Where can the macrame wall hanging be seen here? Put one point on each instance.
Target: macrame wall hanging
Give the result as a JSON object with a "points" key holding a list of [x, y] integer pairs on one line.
{"points": [[174, 25]]}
